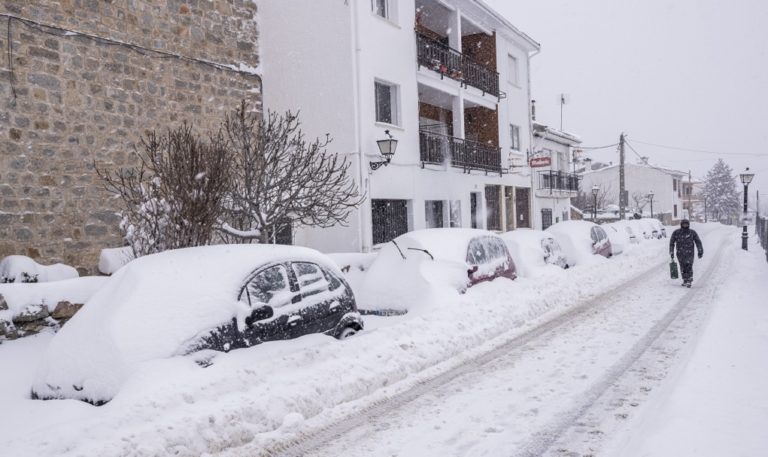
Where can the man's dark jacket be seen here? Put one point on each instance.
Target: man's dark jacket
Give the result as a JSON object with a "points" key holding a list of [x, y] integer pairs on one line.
{"points": [[685, 238]]}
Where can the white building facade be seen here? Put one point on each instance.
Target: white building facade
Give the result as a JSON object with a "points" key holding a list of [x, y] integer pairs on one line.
{"points": [[449, 79], [555, 180], [641, 180]]}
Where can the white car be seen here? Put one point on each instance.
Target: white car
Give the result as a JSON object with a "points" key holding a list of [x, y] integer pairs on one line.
{"points": [[178, 302], [533, 249]]}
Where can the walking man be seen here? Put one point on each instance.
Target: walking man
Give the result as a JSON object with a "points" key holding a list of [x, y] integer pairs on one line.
{"points": [[685, 238]]}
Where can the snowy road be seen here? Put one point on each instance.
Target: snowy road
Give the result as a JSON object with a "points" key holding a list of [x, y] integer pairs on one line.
{"points": [[558, 390]]}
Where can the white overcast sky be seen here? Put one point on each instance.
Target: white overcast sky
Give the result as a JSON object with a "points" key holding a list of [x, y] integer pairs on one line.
{"points": [[685, 73]]}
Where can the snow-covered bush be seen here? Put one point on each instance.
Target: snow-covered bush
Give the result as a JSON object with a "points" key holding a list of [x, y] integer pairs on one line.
{"points": [[22, 269]]}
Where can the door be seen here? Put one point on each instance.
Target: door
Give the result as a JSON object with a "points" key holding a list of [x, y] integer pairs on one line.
{"points": [[523, 207], [271, 287], [312, 310], [493, 207], [546, 218], [474, 211], [509, 203]]}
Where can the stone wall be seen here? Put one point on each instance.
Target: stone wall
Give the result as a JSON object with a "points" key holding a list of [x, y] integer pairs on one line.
{"points": [[87, 79]]}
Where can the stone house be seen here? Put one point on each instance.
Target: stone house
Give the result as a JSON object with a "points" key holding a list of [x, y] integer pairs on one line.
{"points": [[81, 81]]}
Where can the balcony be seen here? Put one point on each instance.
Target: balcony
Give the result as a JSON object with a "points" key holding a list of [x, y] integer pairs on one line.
{"points": [[469, 155], [558, 181], [455, 65]]}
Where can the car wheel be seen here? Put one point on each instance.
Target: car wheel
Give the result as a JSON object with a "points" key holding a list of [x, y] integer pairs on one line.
{"points": [[346, 333]]}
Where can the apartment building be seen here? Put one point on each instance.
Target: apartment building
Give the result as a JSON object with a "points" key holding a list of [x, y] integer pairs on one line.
{"points": [[447, 79], [555, 179]]}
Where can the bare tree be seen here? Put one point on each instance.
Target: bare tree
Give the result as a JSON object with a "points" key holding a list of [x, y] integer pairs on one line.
{"points": [[585, 201], [640, 200], [174, 197], [280, 179]]}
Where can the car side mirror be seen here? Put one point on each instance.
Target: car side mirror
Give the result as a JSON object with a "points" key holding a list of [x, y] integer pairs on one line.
{"points": [[472, 271], [259, 314]]}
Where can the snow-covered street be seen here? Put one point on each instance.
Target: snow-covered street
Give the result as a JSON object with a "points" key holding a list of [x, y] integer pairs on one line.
{"points": [[538, 367]]}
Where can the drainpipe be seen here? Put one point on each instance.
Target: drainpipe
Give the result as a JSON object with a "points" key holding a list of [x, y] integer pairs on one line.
{"points": [[364, 211], [530, 141]]}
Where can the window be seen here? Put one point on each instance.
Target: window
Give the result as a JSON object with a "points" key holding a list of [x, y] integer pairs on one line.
{"points": [[389, 219], [310, 278], [674, 184], [270, 287], [514, 133], [674, 208], [381, 8], [434, 213], [386, 103], [546, 218], [512, 77]]}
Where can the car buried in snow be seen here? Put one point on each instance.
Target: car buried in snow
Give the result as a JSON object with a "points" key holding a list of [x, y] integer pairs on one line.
{"points": [[176, 303], [581, 241], [416, 264], [533, 250]]}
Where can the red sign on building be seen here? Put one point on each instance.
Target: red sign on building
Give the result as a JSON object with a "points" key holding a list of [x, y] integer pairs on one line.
{"points": [[540, 162]]}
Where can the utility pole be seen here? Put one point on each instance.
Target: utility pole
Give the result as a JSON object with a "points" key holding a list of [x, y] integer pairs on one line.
{"points": [[690, 191], [622, 191]]}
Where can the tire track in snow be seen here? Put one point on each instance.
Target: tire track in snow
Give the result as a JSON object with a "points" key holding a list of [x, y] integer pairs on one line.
{"points": [[543, 440], [315, 439]]}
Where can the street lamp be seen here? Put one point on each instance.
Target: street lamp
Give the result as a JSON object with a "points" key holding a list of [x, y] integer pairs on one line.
{"points": [[387, 149], [595, 191], [650, 197], [746, 178]]}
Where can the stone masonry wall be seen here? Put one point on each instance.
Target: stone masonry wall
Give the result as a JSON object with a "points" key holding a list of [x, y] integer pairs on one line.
{"points": [[80, 99]]}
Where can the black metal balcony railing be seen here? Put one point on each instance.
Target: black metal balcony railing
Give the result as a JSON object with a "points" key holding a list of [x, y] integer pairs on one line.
{"points": [[455, 65], [558, 180], [467, 154]]}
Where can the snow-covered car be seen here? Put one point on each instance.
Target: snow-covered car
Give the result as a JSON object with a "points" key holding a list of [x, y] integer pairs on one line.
{"points": [[632, 236], [581, 240], [415, 267], [179, 302], [641, 228], [618, 237], [532, 250], [661, 232]]}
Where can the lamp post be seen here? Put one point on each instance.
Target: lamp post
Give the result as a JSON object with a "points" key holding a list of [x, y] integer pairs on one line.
{"points": [[746, 178], [595, 191], [387, 149], [650, 197]]}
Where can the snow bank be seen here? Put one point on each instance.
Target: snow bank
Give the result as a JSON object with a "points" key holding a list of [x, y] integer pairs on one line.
{"points": [[354, 266], [19, 296], [148, 310], [15, 268]]}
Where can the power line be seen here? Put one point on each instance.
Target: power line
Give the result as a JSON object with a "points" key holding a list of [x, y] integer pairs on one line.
{"points": [[755, 154], [594, 148]]}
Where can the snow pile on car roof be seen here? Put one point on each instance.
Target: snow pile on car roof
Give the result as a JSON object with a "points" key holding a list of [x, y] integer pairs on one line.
{"points": [[147, 310]]}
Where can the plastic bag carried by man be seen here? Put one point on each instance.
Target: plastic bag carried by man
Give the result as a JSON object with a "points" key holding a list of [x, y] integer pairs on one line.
{"points": [[682, 242]]}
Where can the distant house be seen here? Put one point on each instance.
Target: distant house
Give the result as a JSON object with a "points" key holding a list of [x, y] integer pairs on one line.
{"points": [[553, 180], [448, 79], [693, 203], [642, 180]]}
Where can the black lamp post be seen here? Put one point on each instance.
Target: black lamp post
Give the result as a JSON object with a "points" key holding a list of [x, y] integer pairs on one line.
{"points": [[746, 178], [387, 149], [650, 197], [595, 191]]}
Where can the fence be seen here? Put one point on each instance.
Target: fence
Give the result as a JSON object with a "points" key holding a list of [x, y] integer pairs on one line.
{"points": [[761, 227]]}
